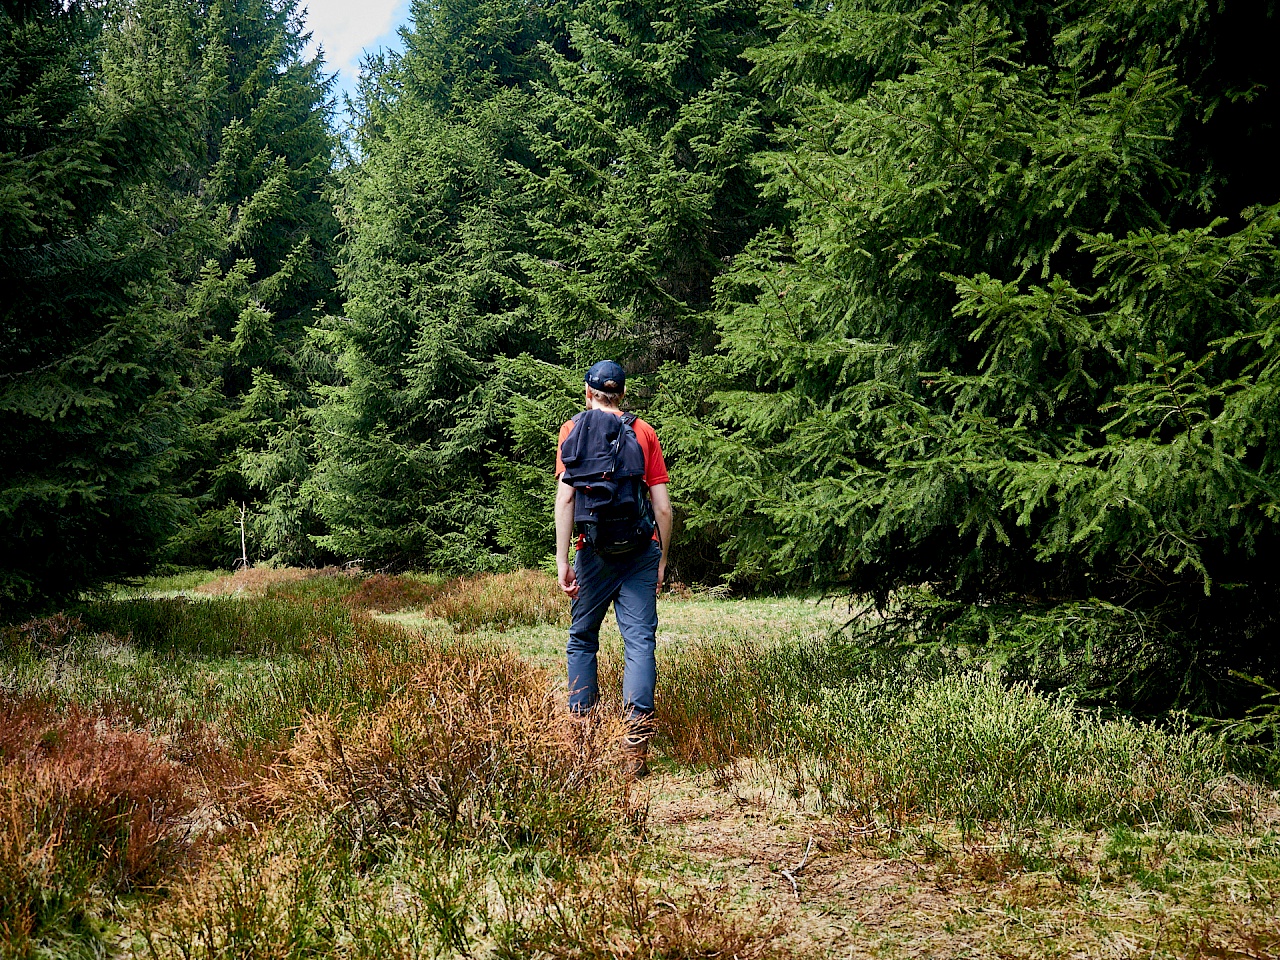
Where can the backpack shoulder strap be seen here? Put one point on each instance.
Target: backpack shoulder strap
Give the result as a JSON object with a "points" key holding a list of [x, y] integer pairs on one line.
{"points": [[629, 421]]}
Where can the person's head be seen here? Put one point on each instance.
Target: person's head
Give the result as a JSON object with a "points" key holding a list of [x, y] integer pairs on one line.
{"points": [[606, 383]]}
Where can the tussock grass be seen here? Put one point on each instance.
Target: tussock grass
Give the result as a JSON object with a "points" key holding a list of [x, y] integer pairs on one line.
{"points": [[252, 689], [477, 747], [969, 748], [962, 746], [501, 601], [83, 806]]}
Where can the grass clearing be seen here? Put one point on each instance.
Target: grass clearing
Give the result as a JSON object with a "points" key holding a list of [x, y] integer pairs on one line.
{"points": [[346, 765]]}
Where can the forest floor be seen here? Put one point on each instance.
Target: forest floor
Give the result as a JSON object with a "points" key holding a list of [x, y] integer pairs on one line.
{"points": [[341, 765]]}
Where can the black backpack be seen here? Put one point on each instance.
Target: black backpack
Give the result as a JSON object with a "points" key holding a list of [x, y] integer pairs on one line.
{"points": [[604, 463]]}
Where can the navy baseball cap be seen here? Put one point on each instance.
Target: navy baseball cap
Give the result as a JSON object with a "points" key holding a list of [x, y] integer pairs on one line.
{"points": [[607, 376]]}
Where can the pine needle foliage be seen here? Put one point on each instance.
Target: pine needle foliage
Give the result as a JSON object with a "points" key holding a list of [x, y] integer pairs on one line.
{"points": [[92, 405], [257, 173], [433, 214], [1011, 344]]}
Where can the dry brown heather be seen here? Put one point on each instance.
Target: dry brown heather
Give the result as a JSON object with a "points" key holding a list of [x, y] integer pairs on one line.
{"points": [[277, 772], [83, 805], [498, 601], [521, 599]]}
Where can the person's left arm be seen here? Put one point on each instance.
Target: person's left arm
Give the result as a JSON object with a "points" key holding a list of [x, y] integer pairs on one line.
{"points": [[662, 515]]}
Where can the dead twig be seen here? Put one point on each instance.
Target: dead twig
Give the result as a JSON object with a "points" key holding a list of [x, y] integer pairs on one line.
{"points": [[796, 870]]}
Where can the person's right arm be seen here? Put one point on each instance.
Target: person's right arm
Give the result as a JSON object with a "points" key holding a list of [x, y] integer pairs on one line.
{"points": [[564, 530]]}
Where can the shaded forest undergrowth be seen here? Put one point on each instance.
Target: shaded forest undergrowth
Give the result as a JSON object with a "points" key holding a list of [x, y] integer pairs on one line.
{"points": [[296, 763]]}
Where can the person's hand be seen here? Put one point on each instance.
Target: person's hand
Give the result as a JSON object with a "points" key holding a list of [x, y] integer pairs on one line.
{"points": [[662, 573], [569, 580]]}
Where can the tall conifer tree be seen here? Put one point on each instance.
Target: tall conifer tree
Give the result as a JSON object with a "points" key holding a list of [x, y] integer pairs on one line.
{"points": [[641, 193], [259, 163], [1005, 348], [434, 216], [92, 401]]}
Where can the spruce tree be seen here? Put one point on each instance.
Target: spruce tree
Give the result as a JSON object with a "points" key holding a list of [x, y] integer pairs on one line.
{"points": [[642, 187], [91, 360], [1013, 345], [641, 190], [259, 168], [434, 298]]}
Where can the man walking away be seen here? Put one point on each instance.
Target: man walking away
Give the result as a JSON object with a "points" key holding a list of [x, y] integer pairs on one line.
{"points": [[613, 494]]}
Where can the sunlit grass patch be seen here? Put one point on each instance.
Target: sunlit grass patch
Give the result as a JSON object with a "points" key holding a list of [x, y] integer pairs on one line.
{"points": [[286, 893], [293, 892], [167, 585]]}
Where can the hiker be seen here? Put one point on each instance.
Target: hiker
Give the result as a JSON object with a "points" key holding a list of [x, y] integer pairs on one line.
{"points": [[613, 494]]}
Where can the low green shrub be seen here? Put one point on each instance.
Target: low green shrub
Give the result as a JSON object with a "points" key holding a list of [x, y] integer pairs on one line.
{"points": [[962, 745]]}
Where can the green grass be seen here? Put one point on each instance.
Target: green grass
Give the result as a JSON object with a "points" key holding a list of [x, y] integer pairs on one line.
{"points": [[169, 585], [405, 785]]}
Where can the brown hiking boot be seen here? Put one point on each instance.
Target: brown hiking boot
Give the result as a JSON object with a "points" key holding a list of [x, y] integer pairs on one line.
{"points": [[635, 753]]}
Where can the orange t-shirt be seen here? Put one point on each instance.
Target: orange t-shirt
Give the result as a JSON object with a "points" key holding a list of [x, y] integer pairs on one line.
{"points": [[655, 468]]}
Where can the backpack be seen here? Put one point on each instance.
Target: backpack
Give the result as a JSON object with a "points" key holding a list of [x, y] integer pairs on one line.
{"points": [[604, 463]]}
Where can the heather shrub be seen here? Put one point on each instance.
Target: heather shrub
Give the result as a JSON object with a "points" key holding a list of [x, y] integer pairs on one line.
{"points": [[83, 807], [477, 748], [501, 601], [42, 633], [386, 593], [257, 581]]}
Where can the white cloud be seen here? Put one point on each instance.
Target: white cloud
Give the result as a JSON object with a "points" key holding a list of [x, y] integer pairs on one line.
{"points": [[344, 28]]}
